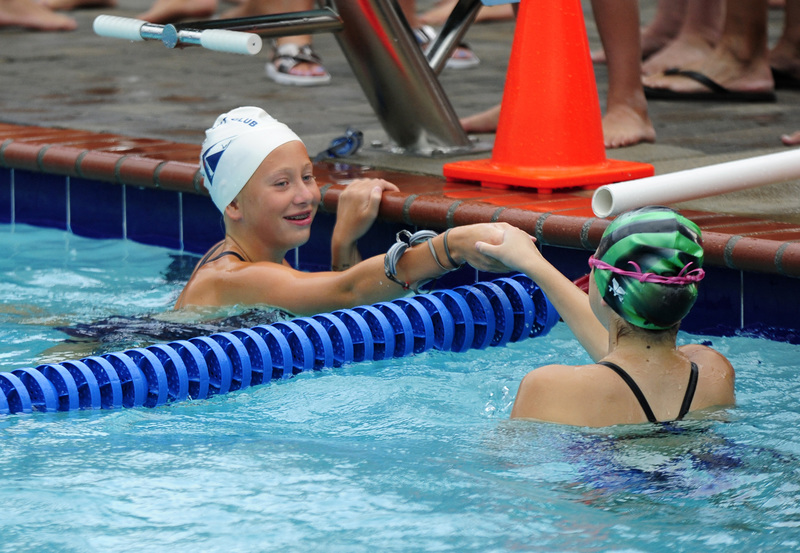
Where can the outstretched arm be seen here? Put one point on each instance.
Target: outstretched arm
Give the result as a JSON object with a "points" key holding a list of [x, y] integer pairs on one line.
{"points": [[232, 282], [519, 252]]}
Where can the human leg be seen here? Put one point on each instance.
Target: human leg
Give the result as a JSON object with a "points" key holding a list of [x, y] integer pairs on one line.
{"points": [[626, 121], [791, 139], [784, 58], [698, 35], [294, 61], [659, 32], [169, 11], [439, 13], [462, 57], [483, 122], [30, 15], [69, 5], [739, 63]]}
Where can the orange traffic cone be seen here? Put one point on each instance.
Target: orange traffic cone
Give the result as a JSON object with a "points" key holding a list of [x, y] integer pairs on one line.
{"points": [[550, 133]]}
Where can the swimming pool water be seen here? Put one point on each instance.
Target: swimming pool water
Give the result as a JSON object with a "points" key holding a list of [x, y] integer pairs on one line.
{"points": [[413, 454], [52, 278]]}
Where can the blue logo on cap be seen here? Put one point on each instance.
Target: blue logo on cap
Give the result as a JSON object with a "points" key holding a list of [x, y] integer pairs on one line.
{"points": [[211, 157]]}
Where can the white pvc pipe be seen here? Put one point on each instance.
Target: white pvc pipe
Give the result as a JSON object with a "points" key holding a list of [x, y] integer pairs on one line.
{"points": [[119, 27], [612, 199], [234, 42]]}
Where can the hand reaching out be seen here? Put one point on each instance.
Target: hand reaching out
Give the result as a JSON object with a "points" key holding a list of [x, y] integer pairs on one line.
{"points": [[483, 246], [515, 248]]}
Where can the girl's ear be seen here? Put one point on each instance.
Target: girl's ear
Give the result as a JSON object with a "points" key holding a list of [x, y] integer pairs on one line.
{"points": [[233, 211]]}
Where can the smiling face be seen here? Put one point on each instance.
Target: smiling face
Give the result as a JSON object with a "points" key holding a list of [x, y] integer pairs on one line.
{"points": [[274, 211]]}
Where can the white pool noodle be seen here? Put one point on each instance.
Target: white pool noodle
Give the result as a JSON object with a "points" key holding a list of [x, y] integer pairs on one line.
{"points": [[612, 199], [118, 27], [234, 42]]}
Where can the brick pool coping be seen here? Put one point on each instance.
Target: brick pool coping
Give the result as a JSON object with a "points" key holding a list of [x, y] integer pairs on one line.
{"points": [[562, 219]]}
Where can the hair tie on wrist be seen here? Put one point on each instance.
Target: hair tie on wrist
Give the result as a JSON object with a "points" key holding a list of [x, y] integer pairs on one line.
{"points": [[447, 253], [404, 241], [436, 257]]}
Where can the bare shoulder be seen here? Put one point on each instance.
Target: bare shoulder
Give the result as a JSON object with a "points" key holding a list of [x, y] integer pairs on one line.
{"points": [[229, 281], [708, 358], [262, 282], [563, 394], [717, 376]]}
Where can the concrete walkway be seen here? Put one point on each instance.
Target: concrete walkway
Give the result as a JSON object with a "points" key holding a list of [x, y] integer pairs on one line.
{"points": [[78, 80]]}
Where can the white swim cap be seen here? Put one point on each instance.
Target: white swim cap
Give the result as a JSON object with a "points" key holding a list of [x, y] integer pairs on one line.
{"points": [[234, 148]]}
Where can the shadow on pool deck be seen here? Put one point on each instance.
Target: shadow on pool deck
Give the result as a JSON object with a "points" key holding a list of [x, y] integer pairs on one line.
{"points": [[136, 112]]}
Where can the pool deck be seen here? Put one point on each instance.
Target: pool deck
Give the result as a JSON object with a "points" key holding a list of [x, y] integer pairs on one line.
{"points": [[134, 113]]}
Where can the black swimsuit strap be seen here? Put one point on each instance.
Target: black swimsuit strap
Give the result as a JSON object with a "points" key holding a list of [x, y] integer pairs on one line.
{"points": [[215, 248], [210, 253], [227, 252], [687, 399], [634, 388]]}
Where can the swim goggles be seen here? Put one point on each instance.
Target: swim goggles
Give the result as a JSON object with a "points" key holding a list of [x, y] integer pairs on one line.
{"points": [[684, 277], [343, 146]]}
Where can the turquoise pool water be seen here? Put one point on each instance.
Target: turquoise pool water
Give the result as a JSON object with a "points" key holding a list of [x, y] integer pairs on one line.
{"points": [[413, 454]]}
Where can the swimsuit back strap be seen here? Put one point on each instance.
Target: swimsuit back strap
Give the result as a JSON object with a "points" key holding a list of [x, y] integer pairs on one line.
{"points": [[223, 254], [210, 253], [208, 259], [687, 399], [634, 388]]}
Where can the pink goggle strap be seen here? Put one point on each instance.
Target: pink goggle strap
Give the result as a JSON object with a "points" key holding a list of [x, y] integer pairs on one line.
{"points": [[684, 277]]}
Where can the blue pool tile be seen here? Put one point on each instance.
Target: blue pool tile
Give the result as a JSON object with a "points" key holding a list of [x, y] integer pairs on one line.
{"points": [[40, 199], [718, 306], [153, 216], [315, 255], [5, 195], [771, 299], [202, 223], [572, 263], [380, 237], [96, 209]]}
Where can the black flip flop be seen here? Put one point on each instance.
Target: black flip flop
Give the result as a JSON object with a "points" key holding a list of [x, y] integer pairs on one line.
{"points": [[785, 80], [717, 92]]}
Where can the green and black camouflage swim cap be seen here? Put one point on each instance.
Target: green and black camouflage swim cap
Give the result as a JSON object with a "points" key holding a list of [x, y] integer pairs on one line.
{"points": [[647, 265]]}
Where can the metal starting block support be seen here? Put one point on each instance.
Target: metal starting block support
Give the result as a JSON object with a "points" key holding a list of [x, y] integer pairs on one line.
{"points": [[398, 79]]}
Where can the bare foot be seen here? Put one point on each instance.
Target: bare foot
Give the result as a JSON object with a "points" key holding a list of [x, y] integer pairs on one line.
{"points": [[260, 7], [622, 125], [791, 139], [501, 12], [722, 67], [69, 5], [438, 14], [168, 11], [30, 15], [681, 52], [483, 122], [785, 58], [625, 126]]}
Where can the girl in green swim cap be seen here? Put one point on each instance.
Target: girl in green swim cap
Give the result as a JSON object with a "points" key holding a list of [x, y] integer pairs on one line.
{"points": [[643, 281]]}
